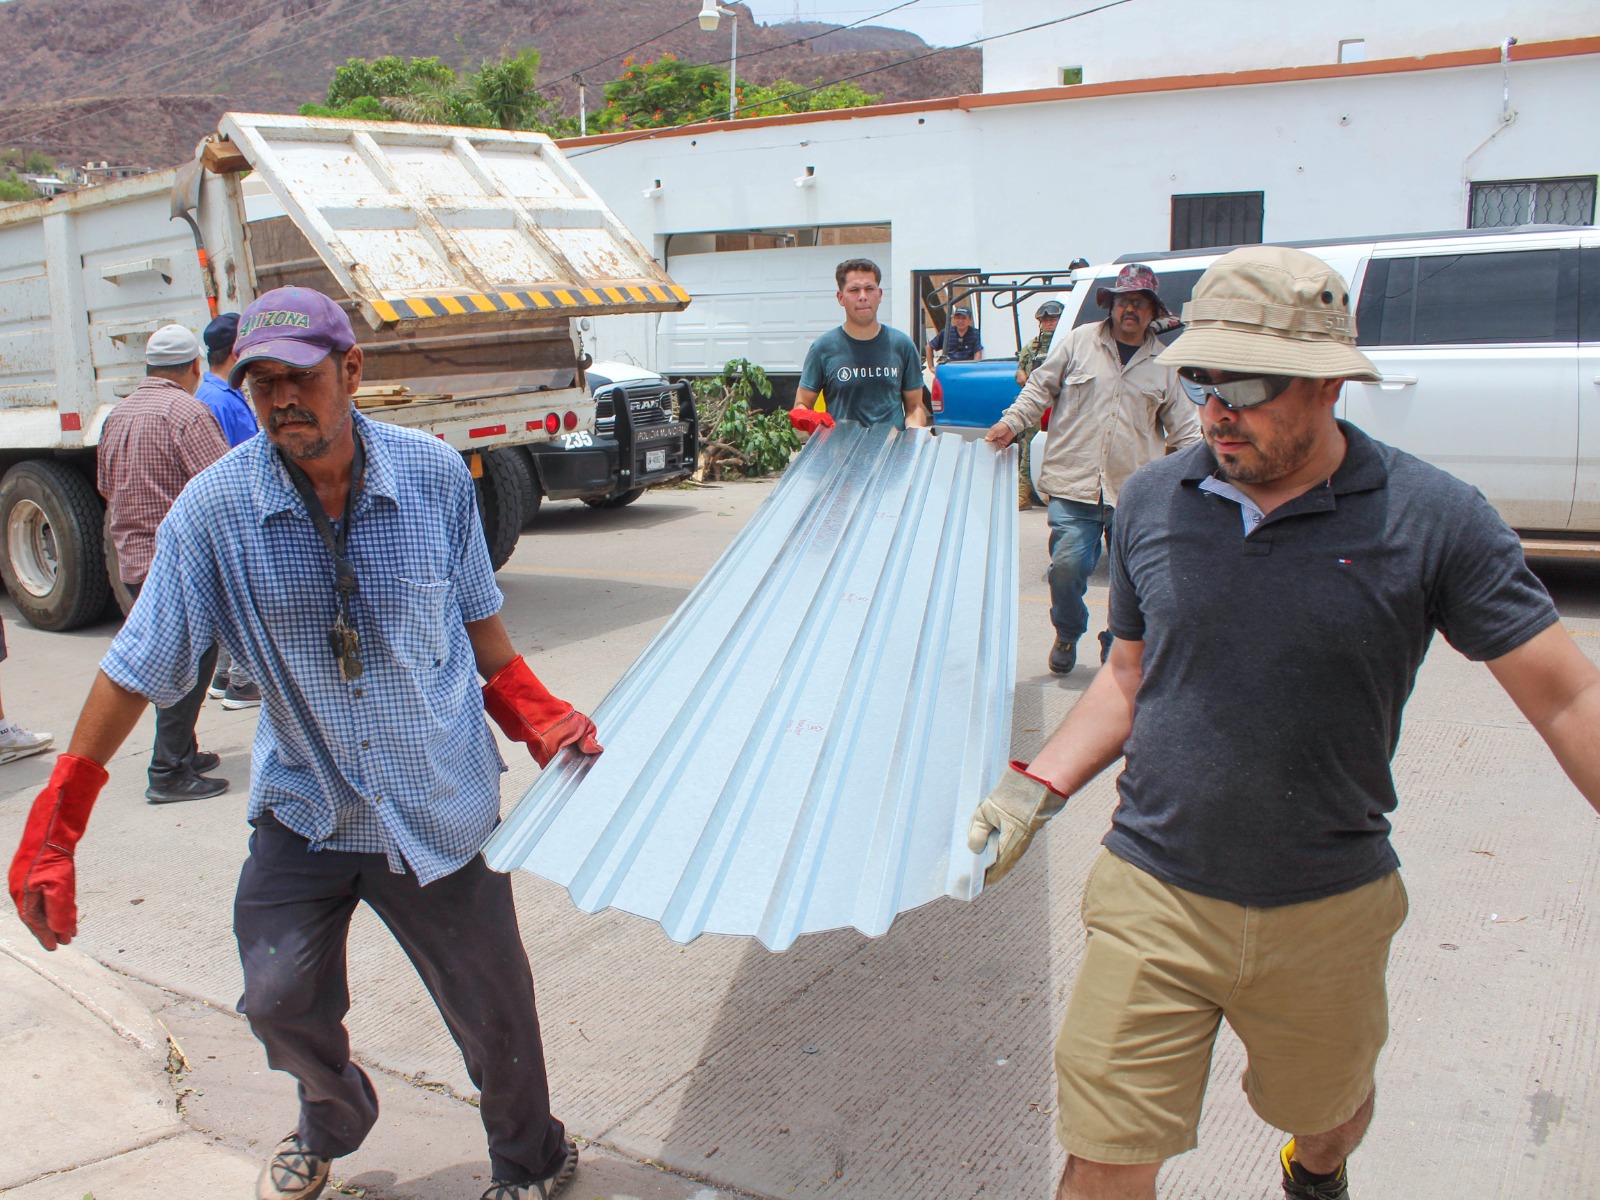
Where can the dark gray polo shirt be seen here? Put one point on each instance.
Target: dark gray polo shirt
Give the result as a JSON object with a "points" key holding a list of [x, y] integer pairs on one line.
{"points": [[1276, 666]]}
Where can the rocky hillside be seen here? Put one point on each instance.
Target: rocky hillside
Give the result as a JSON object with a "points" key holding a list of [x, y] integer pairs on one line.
{"points": [[141, 81]]}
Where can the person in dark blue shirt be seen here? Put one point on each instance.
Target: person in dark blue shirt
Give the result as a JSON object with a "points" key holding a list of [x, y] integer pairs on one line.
{"points": [[232, 410], [230, 682], [958, 341]]}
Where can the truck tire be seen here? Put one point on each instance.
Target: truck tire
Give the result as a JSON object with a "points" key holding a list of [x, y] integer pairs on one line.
{"points": [[535, 494], [620, 500], [121, 598], [501, 502], [52, 564]]}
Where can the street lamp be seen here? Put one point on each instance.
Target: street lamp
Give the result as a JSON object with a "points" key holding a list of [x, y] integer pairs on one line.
{"points": [[711, 14]]}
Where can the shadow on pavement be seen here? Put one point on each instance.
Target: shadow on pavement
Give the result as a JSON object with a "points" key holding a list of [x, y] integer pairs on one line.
{"points": [[913, 1065]]}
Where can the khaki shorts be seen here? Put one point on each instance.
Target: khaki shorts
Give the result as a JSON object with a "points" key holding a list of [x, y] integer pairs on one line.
{"points": [[1302, 986]]}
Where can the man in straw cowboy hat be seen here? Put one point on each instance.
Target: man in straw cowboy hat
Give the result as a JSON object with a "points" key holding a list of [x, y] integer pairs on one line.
{"points": [[1115, 409], [1273, 592]]}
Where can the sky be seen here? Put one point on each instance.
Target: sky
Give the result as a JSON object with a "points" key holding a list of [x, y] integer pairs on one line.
{"points": [[937, 22]]}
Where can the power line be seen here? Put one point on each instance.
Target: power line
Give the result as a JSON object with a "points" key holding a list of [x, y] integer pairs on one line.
{"points": [[812, 37], [993, 37]]}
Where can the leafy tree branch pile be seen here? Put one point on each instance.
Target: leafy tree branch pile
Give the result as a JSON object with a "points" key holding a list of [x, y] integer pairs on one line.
{"points": [[736, 443]]}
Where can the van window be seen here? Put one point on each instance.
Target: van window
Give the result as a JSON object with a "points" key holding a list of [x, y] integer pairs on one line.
{"points": [[1429, 300], [1176, 287], [1589, 303]]}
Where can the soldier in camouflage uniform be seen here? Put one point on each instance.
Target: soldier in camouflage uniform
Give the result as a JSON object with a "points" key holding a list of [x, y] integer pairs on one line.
{"points": [[1030, 356]]}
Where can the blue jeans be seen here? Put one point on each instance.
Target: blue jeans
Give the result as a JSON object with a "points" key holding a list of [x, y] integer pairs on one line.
{"points": [[1077, 531]]}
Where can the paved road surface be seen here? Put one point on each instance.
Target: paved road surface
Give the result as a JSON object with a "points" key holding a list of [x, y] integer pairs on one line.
{"points": [[917, 1064]]}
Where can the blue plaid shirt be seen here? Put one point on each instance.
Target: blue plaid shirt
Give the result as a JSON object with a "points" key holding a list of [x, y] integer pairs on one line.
{"points": [[400, 761]]}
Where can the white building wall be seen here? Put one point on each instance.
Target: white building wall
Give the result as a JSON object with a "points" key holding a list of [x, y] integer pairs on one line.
{"points": [[1013, 187], [1150, 38]]}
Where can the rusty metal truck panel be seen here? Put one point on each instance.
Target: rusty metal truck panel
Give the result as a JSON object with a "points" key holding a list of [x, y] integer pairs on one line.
{"points": [[428, 224], [801, 746]]}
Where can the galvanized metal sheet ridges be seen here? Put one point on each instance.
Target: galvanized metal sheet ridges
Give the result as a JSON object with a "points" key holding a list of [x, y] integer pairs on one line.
{"points": [[438, 225], [802, 744]]}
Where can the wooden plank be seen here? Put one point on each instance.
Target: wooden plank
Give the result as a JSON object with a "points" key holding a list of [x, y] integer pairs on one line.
{"points": [[1560, 548]]}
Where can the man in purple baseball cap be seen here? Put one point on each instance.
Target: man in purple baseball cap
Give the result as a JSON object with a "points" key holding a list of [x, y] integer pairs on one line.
{"points": [[341, 559], [291, 325], [1114, 409]]}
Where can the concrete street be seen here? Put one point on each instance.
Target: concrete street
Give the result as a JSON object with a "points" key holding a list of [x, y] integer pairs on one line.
{"points": [[917, 1065]]}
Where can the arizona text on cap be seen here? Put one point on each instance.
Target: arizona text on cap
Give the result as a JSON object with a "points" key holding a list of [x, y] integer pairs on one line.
{"points": [[1270, 310], [292, 325], [1135, 277], [171, 346]]}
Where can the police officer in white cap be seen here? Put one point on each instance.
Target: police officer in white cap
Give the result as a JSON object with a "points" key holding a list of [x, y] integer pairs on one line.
{"points": [[153, 443]]}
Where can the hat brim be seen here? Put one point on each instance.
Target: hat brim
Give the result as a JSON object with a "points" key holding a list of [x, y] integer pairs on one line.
{"points": [[1248, 352], [1104, 297], [289, 351]]}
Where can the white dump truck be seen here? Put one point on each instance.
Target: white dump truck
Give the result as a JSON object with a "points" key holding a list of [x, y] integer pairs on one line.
{"points": [[468, 259]]}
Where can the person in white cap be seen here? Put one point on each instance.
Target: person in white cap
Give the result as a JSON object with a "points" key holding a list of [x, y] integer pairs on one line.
{"points": [[1273, 592], [153, 443]]}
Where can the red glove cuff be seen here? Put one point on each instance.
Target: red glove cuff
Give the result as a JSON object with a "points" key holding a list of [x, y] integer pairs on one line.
{"points": [[526, 712], [1021, 768], [809, 420]]}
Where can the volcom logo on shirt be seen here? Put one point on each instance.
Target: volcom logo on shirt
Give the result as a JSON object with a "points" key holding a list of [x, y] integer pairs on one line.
{"points": [[846, 374]]}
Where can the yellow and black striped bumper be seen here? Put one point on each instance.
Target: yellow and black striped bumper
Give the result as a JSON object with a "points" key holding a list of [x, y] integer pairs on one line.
{"points": [[628, 298]]}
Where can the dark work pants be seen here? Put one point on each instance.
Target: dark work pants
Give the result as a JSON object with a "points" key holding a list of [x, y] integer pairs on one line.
{"points": [[292, 919], [173, 755]]}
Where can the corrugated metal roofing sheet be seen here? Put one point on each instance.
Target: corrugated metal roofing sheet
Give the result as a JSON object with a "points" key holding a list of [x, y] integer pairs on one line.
{"points": [[801, 746]]}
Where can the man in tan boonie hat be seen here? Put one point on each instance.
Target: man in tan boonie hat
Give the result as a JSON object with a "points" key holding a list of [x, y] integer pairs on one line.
{"points": [[1274, 590], [1271, 310]]}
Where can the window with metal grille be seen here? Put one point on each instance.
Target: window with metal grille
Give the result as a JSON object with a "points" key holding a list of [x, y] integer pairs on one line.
{"points": [[1504, 202], [1216, 219]]}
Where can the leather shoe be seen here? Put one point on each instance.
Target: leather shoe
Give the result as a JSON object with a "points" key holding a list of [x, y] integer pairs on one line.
{"points": [[189, 785], [1063, 656]]}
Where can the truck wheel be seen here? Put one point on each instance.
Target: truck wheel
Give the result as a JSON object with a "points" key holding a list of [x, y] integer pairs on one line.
{"points": [[620, 500], [121, 597], [501, 502], [535, 494], [51, 517]]}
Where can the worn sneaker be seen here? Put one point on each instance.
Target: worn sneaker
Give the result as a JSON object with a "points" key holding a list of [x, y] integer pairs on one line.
{"points": [[1063, 656], [242, 695], [204, 761], [186, 785], [293, 1173], [17, 742], [1295, 1187], [219, 686], [539, 1189]]}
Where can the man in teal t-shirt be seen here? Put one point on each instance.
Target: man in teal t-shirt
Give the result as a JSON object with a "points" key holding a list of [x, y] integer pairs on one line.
{"points": [[868, 372]]}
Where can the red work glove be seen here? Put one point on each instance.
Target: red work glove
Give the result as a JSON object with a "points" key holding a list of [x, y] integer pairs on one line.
{"points": [[42, 880], [809, 420], [526, 712]]}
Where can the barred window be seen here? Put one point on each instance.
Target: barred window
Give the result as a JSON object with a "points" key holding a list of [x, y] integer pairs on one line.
{"points": [[1216, 219], [1505, 202]]}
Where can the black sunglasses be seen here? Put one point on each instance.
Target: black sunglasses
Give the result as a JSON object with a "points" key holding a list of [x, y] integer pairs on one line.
{"points": [[1233, 394]]}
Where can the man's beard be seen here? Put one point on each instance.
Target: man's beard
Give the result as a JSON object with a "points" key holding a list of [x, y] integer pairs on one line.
{"points": [[1271, 464], [306, 451]]}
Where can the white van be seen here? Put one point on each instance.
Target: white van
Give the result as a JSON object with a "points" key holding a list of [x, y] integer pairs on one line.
{"points": [[1489, 346]]}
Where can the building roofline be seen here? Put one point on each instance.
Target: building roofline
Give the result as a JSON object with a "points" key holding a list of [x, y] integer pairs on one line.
{"points": [[1530, 52]]}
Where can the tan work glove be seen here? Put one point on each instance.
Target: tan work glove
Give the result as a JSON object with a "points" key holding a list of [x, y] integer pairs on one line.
{"points": [[1016, 809]]}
